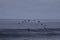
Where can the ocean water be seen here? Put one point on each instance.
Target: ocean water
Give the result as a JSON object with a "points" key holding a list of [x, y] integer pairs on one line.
{"points": [[32, 38], [14, 24], [32, 25]]}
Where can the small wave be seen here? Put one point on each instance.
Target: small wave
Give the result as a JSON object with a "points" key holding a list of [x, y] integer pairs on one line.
{"points": [[27, 32]]}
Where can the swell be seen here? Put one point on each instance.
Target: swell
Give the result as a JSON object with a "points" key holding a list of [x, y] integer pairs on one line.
{"points": [[29, 32]]}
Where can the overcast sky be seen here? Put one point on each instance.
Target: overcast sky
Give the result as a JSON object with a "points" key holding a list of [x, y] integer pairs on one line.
{"points": [[29, 9]]}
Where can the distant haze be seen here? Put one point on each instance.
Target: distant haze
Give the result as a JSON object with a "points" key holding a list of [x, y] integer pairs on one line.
{"points": [[29, 9], [36, 20]]}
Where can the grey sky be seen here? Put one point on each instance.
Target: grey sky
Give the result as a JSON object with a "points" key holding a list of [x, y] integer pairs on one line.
{"points": [[32, 9]]}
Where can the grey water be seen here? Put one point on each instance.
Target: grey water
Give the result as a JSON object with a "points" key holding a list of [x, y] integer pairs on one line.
{"points": [[17, 24]]}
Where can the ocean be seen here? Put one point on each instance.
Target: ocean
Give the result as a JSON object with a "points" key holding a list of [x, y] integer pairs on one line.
{"points": [[32, 38], [16, 30]]}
